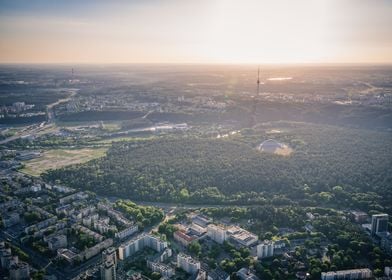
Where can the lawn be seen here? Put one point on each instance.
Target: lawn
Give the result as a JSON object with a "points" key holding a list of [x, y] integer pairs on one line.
{"points": [[57, 158]]}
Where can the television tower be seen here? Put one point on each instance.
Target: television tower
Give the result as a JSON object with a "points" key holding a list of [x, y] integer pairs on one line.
{"points": [[254, 105], [258, 81]]}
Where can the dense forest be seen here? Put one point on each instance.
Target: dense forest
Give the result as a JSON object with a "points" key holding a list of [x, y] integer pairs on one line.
{"points": [[328, 165]]}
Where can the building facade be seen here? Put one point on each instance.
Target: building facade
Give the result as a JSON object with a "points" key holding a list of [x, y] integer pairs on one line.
{"points": [[351, 274], [379, 223], [216, 233], [187, 263], [108, 271], [265, 249]]}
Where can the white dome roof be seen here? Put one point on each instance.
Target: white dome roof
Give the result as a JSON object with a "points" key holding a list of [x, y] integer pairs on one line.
{"points": [[270, 145]]}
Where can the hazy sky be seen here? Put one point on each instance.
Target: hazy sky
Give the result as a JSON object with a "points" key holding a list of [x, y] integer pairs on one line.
{"points": [[198, 31]]}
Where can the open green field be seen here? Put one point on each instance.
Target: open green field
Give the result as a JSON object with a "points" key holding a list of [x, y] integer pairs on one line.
{"points": [[57, 158]]}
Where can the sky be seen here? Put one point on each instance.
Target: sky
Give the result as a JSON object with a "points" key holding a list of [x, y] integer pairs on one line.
{"points": [[198, 31]]}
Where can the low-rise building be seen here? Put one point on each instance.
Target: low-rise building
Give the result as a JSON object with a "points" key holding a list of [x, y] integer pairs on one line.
{"points": [[183, 238], [197, 230], [72, 197], [359, 216], [67, 255], [245, 238], [201, 220]]}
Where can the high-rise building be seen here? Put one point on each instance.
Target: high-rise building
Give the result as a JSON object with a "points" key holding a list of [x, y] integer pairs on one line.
{"points": [[139, 243], [109, 254], [108, 270], [216, 233], [265, 249], [379, 223]]}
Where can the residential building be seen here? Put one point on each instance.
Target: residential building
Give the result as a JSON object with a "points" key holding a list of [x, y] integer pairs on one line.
{"points": [[91, 252], [216, 233], [108, 270], [19, 271], [127, 232], [166, 254], [139, 243], [265, 249], [97, 237], [57, 242], [5, 257], [352, 274], [102, 225], [187, 263], [11, 219], [109, 254], [379, 223], [165, 270]]}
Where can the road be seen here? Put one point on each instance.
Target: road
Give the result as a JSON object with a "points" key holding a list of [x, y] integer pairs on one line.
{"points": [[167, 205]]}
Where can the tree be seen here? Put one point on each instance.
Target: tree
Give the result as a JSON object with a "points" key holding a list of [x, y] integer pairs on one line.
{"points": [[195, 248], [155, 276]]}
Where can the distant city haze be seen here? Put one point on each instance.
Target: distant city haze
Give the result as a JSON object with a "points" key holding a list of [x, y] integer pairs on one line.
{"points": [[202, 31]]}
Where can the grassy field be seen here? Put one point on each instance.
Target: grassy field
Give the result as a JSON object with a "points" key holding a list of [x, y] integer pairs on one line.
{"points": [[54, 159]]}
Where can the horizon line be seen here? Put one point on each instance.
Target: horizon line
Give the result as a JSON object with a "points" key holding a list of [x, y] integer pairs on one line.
{"points": [[202, 63]]}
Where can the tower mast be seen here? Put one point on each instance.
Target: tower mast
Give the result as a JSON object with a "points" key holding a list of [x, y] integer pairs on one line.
{"points": [[258, 81]]}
